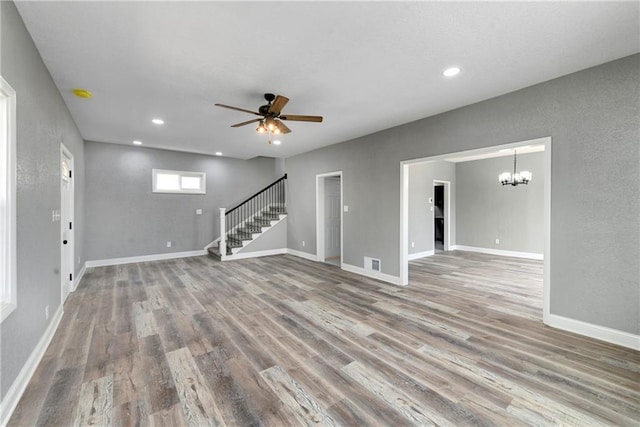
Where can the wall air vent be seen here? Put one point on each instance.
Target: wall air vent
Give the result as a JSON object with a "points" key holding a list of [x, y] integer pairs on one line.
{"points": [[372, 264]]}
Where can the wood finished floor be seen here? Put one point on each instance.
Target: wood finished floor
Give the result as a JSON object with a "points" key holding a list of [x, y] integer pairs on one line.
{"points": [[285, 341]]}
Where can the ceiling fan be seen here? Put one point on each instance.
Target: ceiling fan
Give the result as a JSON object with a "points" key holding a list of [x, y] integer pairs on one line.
{"points": [[271, 115]]}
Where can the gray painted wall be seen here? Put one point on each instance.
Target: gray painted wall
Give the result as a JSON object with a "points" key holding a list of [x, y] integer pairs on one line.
{"points": [[593, 118], [274, 238], [43, 122], [124, 218], [488, 210], [421, 176]]}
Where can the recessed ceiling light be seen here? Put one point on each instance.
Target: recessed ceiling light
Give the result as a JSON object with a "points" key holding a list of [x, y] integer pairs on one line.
{"points": [[218, 153], [157, 121], [137, 142], [277, 142], [82, 93], [450, 72]]}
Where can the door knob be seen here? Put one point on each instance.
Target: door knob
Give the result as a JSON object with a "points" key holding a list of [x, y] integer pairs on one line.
{"points": [[64, 242]]}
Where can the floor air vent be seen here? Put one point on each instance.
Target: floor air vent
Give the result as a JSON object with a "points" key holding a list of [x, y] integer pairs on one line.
{"points": [[371, 264]]}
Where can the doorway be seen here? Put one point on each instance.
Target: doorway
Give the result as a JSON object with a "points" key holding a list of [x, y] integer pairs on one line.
{"points": [[66, 222], [477, 153], [329, 218], [438, 217]]}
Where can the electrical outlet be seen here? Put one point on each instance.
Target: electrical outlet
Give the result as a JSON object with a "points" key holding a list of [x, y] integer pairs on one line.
{"points": [[303, 243], [346, 208], [413, 244], [168, 244], [497, 241], [46, 313]]}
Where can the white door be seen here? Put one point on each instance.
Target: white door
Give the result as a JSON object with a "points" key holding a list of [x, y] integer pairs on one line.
{"points": [[332, 217], [66, 219]]}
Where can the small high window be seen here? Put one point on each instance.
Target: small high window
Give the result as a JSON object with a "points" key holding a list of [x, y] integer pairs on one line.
{"points": [[179, 182]]}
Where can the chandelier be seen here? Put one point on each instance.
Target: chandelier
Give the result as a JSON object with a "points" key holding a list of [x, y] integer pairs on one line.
{"points": [[517, 178]]}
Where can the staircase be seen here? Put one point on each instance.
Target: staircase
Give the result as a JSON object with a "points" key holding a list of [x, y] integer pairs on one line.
{"points": [[250, 219]]}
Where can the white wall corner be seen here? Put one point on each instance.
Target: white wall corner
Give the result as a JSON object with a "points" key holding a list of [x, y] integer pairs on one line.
{"points": [[15, 392], [613, 336]]}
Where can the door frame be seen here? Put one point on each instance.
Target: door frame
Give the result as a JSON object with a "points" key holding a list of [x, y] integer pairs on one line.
{"points": [[65, 153], [404, 211], [320, 208], [447, 215]]}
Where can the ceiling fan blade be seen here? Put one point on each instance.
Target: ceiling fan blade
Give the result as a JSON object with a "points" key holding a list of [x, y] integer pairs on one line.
{"points": [[238, 109], [298, 118], [282, 127], [237, 125], [278, 105]]}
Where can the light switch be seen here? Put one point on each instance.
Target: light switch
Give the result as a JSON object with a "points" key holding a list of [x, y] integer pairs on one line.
{"points": [[198, 211], [346, 208]]}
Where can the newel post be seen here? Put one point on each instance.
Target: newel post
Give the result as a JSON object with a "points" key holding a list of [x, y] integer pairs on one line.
{"points": [[223, 234]]}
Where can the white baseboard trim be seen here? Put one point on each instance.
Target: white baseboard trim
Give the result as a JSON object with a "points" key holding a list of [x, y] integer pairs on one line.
{"points": [[79, 277], [394, 280], [256, 254], [499, 252], [590, 330], [11, 399], [144, 258], [305, 255], [419, 255]]}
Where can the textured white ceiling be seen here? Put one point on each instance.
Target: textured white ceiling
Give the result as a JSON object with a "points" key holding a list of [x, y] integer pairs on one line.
{"points": [[364, 66]]}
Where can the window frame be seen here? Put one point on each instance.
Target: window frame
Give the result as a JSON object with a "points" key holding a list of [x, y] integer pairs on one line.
{"points": [[181, 174], [8, 253]]}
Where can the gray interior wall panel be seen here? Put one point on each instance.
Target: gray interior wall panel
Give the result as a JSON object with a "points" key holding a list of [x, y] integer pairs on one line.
{"points": [[488, 210], [43, 122], [593, 117], [421, 222], [125, 219], [274, 238]]}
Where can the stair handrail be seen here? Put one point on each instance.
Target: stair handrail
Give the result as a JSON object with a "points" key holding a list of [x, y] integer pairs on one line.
{"points": [[257, 194], [229, 223]]}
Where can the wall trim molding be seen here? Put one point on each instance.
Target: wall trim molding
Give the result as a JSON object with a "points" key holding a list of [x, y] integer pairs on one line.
{"points": [[499, 252], [256, 254], [15, 392], [419, 255], [394, 280], [144, 258], [300, 254], [79, 277], [598, 332]]}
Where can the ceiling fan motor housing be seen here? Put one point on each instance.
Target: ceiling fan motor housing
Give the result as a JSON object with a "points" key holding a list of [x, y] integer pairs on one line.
{"points": [[264, 109]]}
